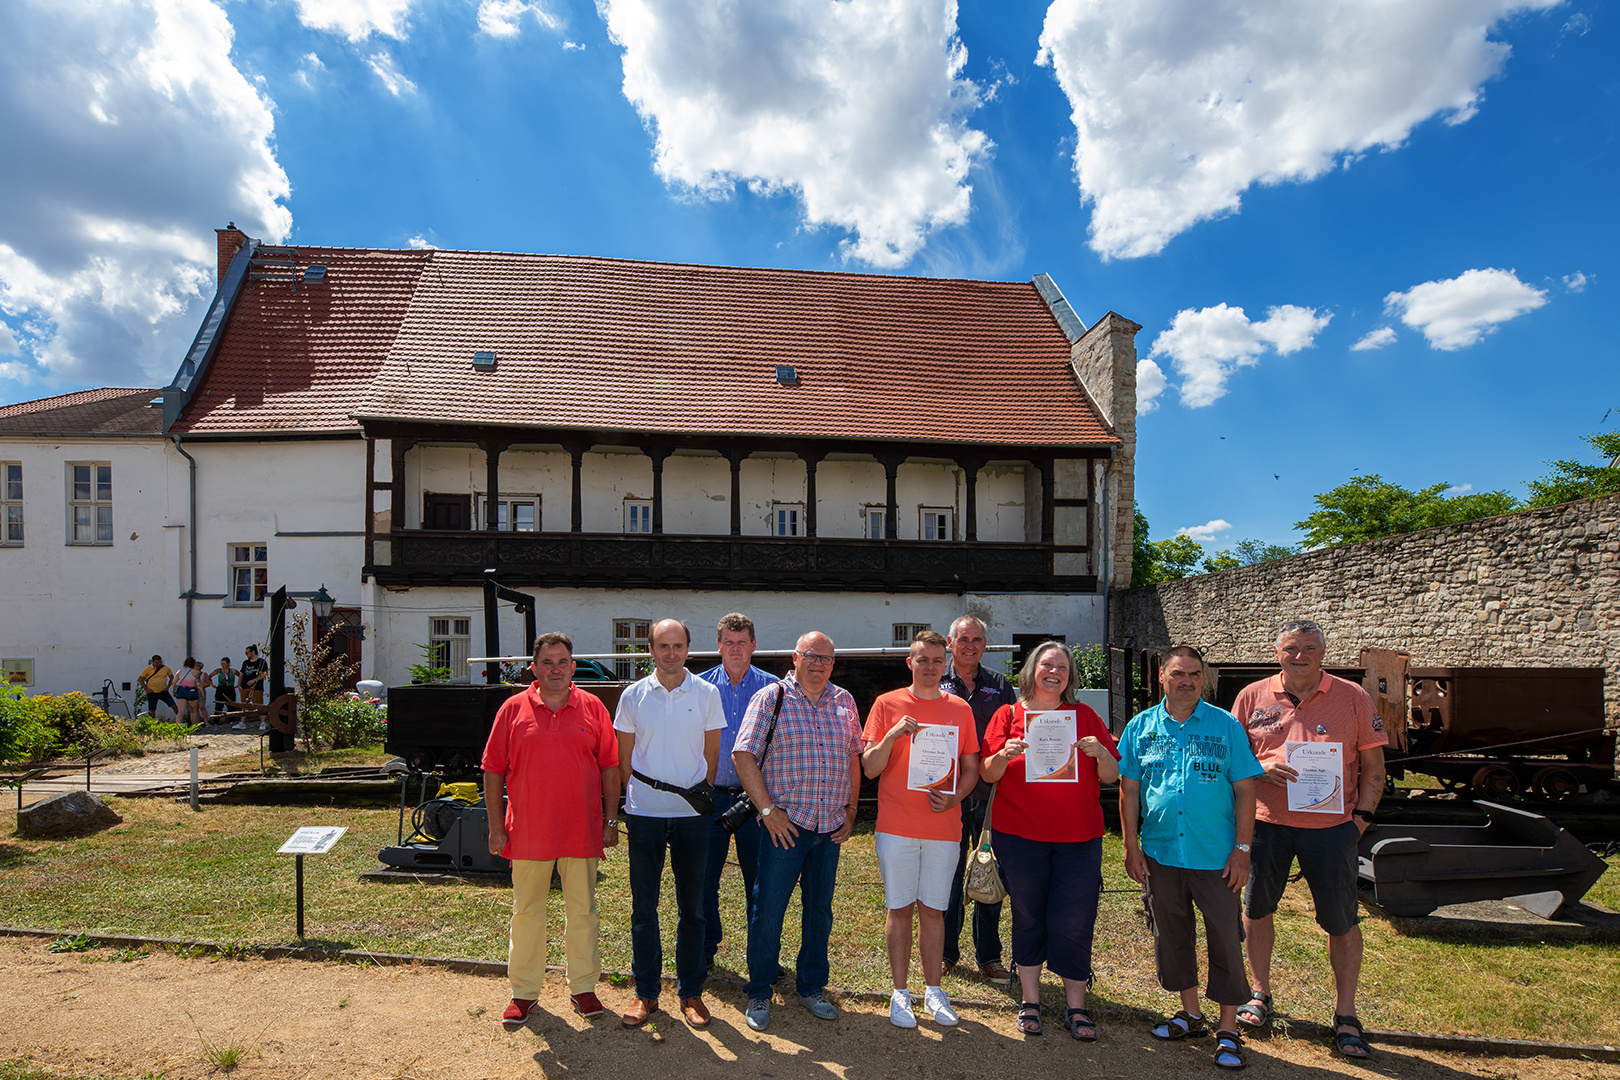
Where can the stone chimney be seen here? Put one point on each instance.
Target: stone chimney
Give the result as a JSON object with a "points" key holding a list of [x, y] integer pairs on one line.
{"points": [[231, 240], [1104, 360]]}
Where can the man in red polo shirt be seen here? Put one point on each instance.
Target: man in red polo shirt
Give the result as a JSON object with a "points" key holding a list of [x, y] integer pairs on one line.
{"points": [[1321, 743], [553, 758]]}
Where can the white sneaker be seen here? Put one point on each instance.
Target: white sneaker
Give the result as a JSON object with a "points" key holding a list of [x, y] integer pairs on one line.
{"points": [[938, 1004], [900, 1014]]}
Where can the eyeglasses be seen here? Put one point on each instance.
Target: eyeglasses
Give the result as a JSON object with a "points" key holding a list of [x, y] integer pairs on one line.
{"points": [[815, 659]]}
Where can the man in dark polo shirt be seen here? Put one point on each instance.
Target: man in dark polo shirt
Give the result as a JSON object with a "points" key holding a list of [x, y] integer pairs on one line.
{"points": [[985, 691]]}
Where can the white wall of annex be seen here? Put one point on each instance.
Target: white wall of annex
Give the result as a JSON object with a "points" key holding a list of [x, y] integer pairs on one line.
{"points": [[88, 613]]}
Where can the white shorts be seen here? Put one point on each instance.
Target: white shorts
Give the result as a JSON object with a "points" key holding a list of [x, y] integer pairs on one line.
{"points": [[916, 870]]}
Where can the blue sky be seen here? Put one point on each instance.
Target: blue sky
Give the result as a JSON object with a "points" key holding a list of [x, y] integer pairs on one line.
{"points": [[1359, 236]]}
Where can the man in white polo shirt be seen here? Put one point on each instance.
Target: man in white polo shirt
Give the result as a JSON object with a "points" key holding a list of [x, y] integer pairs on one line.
{"points": [[669, 726]]}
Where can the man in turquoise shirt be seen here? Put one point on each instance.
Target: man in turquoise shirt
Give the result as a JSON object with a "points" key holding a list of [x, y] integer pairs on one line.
{"points": [[1186, 810]]}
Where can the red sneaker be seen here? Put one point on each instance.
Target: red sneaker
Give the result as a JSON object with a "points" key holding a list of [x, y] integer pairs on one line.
{"points": [[587, 1005], [518, 1011]]}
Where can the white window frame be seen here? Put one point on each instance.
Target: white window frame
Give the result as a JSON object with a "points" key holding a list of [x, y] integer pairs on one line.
{"points": [[906, 632], [257, 590], [787, 519], [11, 504], [638, 516], [943, 515], [504, 504], [631, 634], [450, 639], [874, 519], [94, 505]]}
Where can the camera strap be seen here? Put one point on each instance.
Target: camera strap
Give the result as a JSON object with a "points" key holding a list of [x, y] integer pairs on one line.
{"points": [[770, 731]]}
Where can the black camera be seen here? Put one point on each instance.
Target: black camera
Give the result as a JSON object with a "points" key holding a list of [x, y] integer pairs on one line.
{"points": [[738, 813]]}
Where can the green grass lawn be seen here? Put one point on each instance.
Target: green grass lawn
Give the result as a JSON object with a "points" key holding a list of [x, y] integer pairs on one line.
{"points": [[214, 876]]}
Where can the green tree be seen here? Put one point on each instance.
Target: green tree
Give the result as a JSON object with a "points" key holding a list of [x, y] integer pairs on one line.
{"points": [[1369, 507], [1142, 561], [1153, 561], [1247, 553], [1571, 480]]}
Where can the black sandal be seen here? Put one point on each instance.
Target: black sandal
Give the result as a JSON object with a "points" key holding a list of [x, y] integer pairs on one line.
{"points": [[1229, 1049], [1257, 1013], [1183, 1025], [1029, 1017], [1346, 1041], [1078, 1019]]}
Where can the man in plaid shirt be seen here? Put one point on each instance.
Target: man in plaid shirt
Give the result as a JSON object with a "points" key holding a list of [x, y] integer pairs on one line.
{"points": [[806, 793]]}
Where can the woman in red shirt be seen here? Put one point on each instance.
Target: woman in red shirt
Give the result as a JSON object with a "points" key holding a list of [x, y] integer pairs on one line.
{"points": [[1048, 837]]}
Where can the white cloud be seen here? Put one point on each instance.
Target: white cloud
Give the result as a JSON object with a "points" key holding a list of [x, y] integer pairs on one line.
{"points": [[1576, 282], [504, 18], [573, 46], [422, 243], [8, 341], [1459, 311], [129, 137], [858, 109], [1459, 489], [355, 19], [1375, 339], [1206, 532], [1149, 385], [309, 69], [391, 76], [1181, 105], [1208, 345]]}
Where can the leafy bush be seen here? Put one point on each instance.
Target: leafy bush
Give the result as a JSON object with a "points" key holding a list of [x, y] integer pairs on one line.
{"points": [[1090, 666], [339, 723], [70, 725], [24, 734]]}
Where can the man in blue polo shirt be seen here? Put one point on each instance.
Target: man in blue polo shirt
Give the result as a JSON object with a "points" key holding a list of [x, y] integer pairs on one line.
{"points": [[738, 680], [1186, 810]]}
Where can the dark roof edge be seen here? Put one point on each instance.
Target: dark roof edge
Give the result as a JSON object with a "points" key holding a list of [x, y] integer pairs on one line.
{"points": [[177, 395], [1060, 308]]}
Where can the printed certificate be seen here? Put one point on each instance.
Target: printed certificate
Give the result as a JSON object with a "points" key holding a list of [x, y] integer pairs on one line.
{"points": [[1052, 756], [932, 765], [1320, 787]]}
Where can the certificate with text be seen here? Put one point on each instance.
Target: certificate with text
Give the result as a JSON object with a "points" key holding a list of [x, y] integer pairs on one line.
{"points": [[1052, 756], [933, 759], [1320, 786]]}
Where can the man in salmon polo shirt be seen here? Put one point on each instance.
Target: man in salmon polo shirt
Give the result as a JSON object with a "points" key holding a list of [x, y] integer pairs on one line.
{"points": [[1333, 788], [553, 758], [918, 831]]}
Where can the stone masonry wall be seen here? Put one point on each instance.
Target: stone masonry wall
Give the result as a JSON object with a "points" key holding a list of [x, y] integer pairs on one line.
{"points": [[1104, 360], [1535, 588]]}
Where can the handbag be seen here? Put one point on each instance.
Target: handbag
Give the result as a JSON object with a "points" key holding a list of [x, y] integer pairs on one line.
{"points": [[984, 884]]}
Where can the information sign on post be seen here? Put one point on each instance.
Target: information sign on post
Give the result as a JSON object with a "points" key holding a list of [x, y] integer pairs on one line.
{"points": [[309, 840]]}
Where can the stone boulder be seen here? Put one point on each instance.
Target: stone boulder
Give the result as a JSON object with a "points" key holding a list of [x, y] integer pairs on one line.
{"points": [[72, 813]]}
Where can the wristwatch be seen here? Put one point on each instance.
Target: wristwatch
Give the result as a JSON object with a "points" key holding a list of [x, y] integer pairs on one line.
{"points": [[1364, 815], [1243, 848], [612, 823], [765, 811]]}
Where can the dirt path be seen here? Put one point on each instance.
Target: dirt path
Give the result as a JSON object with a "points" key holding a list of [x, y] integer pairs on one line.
{"points": [[92, 1013], [209, 748]]}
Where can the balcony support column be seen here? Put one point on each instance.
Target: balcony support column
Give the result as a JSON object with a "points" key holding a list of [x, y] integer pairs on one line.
{"points": [[492, 479], [811, 459], [576, 513], [891, 513], [970, 470], [657, 454], [736, 458]]}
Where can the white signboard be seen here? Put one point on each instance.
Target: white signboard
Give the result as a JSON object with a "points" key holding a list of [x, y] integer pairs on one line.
{"points": [[312, 840]]}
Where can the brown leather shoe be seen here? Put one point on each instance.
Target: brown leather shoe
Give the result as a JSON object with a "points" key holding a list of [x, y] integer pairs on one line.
{"points": [[996, 972], [696, 1013], [638, 1012]]}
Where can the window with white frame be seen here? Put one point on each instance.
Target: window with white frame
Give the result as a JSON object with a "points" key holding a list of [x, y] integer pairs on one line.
{"points": [[935, 523], [11, 504], [906, 632], [513, 513], [90, 509], [876, 517], [250, 574], [450, 643], [787, 519], [638, 515], [630, 636]]}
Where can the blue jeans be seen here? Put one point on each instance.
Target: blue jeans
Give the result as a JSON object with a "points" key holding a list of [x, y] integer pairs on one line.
{"points": [[686, 839], [812, 864], [986, 917], [747, 858]]}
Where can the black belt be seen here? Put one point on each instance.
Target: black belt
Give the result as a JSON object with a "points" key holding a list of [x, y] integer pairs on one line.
{"points": [[738, 790]]}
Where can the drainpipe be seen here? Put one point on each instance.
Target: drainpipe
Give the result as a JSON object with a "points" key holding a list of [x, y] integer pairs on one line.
{"points": [[190, 594]]}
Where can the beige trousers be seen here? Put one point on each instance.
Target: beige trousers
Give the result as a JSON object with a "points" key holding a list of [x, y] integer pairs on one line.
{"points": [[526, 953]]}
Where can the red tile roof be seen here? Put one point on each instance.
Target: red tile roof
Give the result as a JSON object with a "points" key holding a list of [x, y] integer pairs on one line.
{"points": [[106, 410], [301, 359], [615, 344]]}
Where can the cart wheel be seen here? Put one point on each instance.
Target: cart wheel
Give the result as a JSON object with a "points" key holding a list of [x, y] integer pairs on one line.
{"points": [[1495, 782], [421, 759], [1555, 784]]}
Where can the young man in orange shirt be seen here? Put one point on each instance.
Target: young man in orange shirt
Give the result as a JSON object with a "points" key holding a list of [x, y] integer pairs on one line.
{"points": [[918, 831]]}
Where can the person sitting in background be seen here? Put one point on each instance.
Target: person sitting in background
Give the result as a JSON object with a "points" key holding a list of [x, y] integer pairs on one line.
{"points": [[1046, 831]]}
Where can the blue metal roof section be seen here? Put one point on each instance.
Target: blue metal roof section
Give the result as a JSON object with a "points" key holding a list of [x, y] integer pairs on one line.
{"points": [[1061, 311], [178, 393]]}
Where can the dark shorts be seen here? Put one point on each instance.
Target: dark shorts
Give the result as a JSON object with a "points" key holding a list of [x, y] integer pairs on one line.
{"points": [[1327, 858], [186, 693]]}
